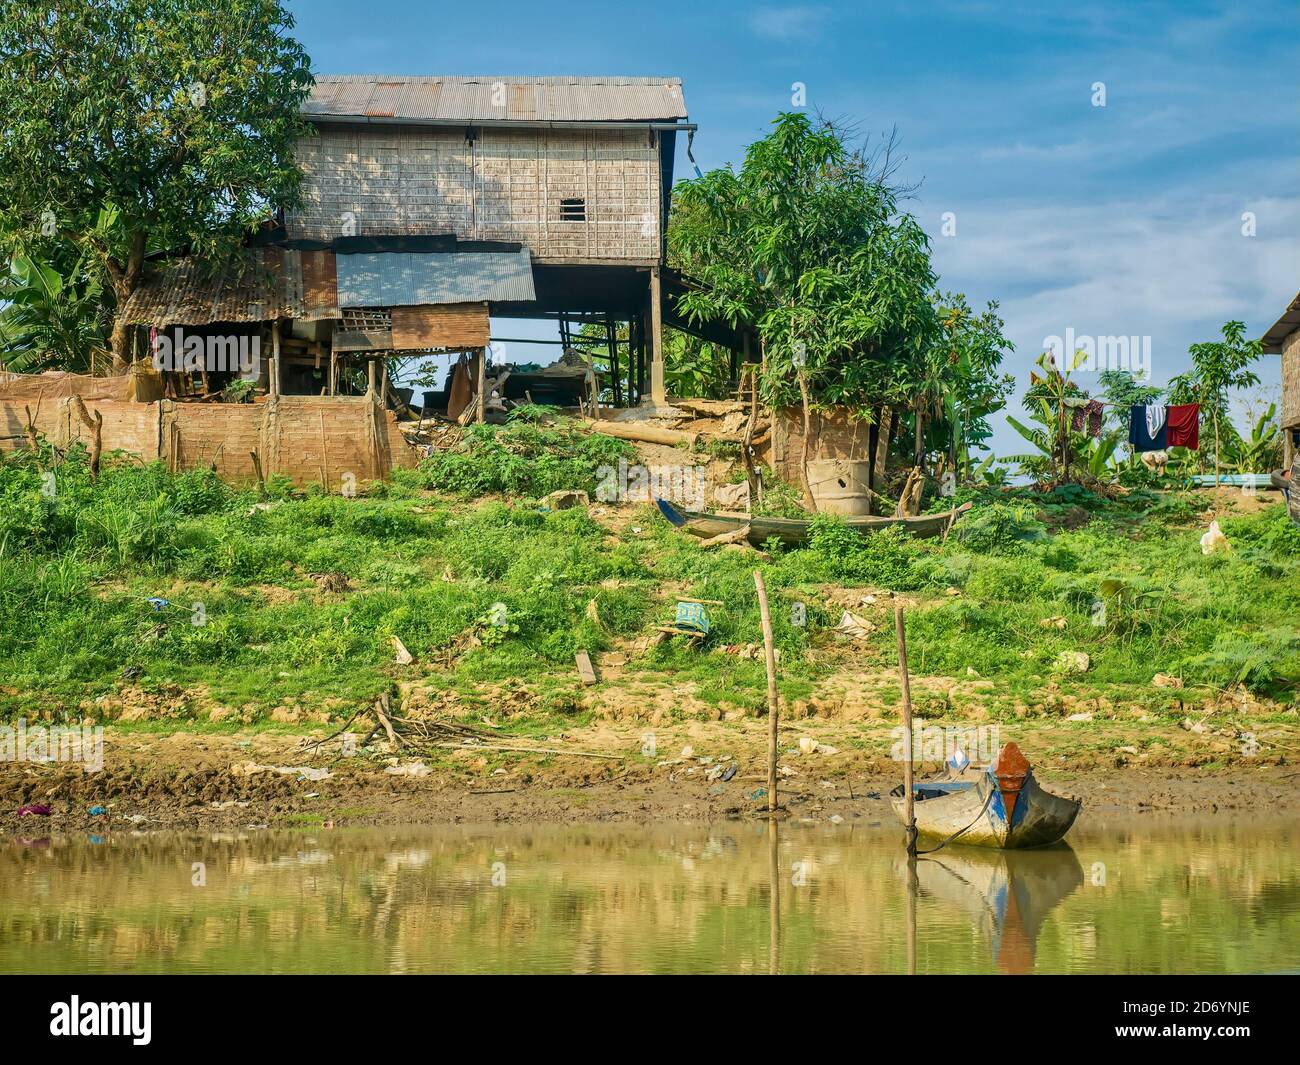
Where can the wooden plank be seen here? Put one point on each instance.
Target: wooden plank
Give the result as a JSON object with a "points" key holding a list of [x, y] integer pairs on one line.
{"points": [[320, 286], [451, 325], [585, 669]]}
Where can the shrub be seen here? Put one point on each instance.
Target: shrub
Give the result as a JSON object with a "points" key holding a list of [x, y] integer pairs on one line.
{"points": [[521, 459], [998, 528], [890, 557]]}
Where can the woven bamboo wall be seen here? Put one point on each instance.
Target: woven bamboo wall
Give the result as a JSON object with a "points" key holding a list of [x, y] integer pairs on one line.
{"points": [[507, 187], [1291, 381]]}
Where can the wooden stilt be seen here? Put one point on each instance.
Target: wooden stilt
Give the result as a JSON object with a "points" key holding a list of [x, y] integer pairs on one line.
{"points": [[480, 400], [658, 390]]}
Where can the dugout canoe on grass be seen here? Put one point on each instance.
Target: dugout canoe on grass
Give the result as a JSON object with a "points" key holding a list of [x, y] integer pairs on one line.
{"points": [[999, 806], [794, 531]]}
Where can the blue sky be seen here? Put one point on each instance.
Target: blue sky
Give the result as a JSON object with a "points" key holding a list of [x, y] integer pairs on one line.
{"points": [[1119, 220]]}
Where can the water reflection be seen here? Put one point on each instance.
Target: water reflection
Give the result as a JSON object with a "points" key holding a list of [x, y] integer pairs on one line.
{"points": [[735, 897], [1006, 894]]}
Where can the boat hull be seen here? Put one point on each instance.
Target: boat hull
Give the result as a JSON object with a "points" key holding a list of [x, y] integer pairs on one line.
{"points": [[976, 813], [793, 531]]}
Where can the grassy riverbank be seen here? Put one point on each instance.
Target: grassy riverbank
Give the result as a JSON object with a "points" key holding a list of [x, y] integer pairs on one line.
{"points": [[247, 630], [272, 618]]}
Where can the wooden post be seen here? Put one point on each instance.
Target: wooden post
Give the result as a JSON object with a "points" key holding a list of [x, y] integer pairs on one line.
{"points": [[611, 342], [96, 427], [909, 798], [773, 702], [275, 358], [480, 400], [370, 377], [658, 391]]}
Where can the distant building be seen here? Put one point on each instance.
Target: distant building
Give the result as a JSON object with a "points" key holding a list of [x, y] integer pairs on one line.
{"points": [[430, 204]]}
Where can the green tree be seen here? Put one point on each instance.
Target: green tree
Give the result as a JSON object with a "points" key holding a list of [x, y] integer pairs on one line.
{"points": [[1218, 367], [179, 115], [806, 242], [965, 383]]}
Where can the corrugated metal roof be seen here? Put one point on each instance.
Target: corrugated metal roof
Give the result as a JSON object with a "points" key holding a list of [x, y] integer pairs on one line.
{"points": [[1282, 328], [407, 279], [267, 285], [487, 99]]}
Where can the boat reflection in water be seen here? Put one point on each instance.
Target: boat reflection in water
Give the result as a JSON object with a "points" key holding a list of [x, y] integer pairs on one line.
{"points": [[1007, 894]]}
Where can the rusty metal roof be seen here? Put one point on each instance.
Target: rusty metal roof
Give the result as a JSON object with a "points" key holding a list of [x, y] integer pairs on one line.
{"points": [[268, 285], [484, 100]]}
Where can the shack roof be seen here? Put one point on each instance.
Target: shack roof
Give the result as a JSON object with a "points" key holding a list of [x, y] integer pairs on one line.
{"points": [[487, 100], [270, 283], [1282, 328]]}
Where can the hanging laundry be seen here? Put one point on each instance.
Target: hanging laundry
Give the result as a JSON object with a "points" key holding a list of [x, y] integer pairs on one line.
{"points": [[1088, 415], [1183, 425], [1145, 432], [1156, 414]]}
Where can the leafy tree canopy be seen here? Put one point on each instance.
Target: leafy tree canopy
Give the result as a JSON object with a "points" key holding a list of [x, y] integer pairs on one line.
{"points": [[180, 116], [806, 243]]}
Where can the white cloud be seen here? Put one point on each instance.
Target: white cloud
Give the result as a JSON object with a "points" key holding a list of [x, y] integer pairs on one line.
{"points": [[1174, 270], [788, 23]]}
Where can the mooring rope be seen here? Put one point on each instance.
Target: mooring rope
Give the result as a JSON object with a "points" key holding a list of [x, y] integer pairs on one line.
{"points": [[987, 799]]}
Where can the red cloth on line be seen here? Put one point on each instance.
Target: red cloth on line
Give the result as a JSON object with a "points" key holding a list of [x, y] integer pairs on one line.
{"points": [[1183, 426]]}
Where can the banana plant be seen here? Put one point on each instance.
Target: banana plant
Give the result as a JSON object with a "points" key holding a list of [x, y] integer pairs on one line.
{"points": [[1099, 456], [1260, 451], [54, 311], [988, 474]]}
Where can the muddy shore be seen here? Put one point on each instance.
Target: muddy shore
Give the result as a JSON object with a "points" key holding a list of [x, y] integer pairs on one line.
{"points": [[206, 782]]}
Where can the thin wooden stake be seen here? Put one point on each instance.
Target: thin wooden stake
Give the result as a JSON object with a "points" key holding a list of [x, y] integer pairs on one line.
{"points": [[773, 704], [909, 799]]}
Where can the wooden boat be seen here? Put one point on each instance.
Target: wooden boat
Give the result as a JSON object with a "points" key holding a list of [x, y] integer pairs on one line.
{"points": [[794, 531], [1000, 806]]}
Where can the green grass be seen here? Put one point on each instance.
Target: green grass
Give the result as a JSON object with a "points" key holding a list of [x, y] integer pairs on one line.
{"points": [[79, 561]]}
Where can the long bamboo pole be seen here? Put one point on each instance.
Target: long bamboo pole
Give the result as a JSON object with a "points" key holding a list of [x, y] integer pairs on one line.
{"points": [[773, 705], [909, 800]]}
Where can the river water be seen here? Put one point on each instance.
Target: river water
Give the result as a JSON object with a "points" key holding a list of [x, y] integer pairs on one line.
{"points": [[1142, 896]]}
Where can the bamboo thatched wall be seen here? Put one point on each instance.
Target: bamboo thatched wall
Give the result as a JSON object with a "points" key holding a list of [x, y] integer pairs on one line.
{"points": [[1291, 381], [505, 186]]}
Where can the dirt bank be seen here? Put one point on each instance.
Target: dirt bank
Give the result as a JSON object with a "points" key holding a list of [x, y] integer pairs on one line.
{"points": [[211, 781]]}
